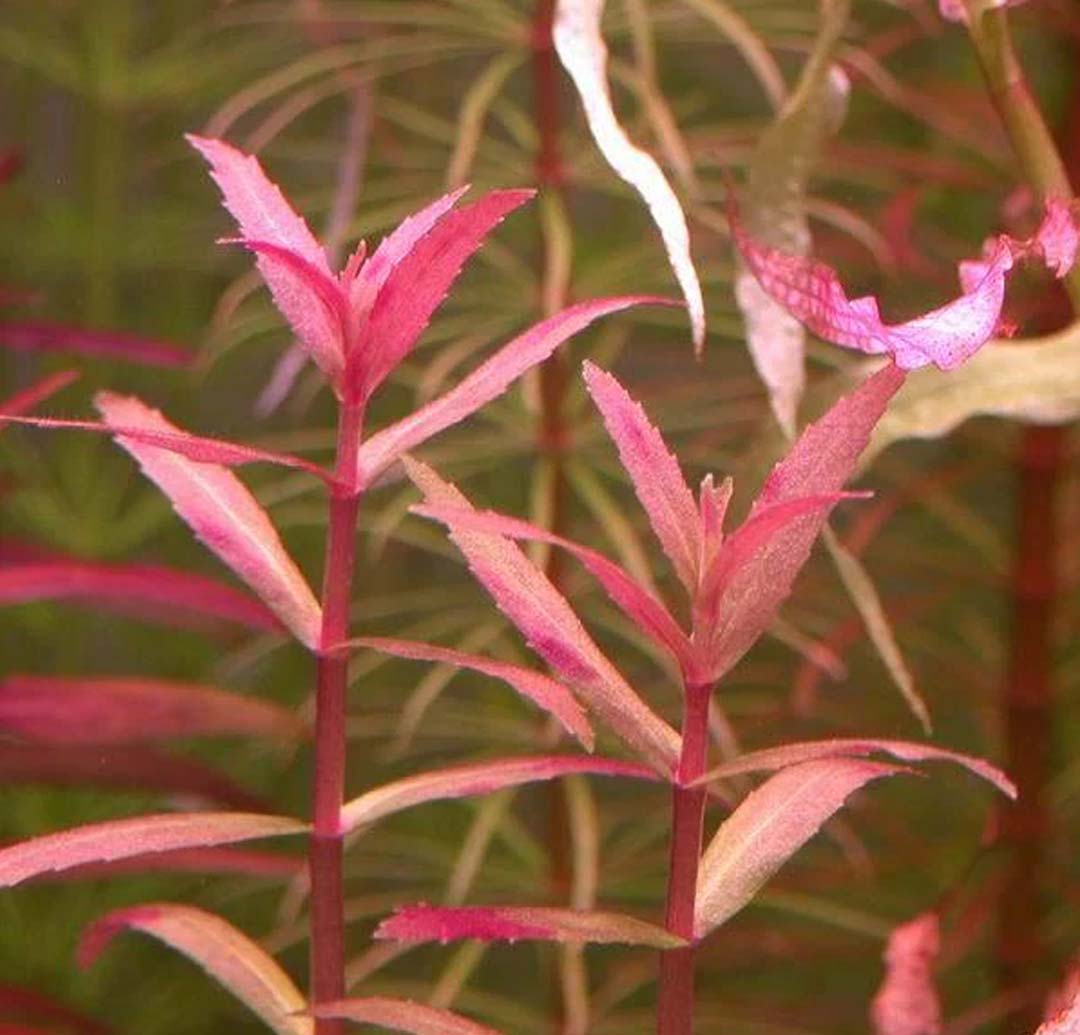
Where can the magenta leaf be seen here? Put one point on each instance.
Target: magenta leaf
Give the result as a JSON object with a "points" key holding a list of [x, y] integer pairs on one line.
{"points": [[129, 769], [149, 591], [424, 923], [479, 778], [126, 838], [402, 1015], [487, 382], [907, 1002], [947, 336], [818, 465], [637, 603], [224, 515], [552, 630], [199, 448], [905, 751], [543, 691], [770, 826], [128, 709], [232, 959], [1066, 1019], [417, 286], [25, 400], [657, 480], [54, 337]]}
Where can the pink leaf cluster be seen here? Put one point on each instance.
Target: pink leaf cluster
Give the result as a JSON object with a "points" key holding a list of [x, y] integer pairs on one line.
{"points": [[907, 1002], [945, 337]]}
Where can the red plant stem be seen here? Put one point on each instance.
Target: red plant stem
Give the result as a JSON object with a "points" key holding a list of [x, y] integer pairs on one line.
{"points": [[675, 1014], [325, 854]]}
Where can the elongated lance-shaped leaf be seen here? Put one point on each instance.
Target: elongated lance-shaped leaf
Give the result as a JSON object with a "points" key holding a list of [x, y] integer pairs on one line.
{"points": [[127, 838], [487, 382], [479, 778], [946, 336], [149, 590], [424, 923], [36, 336], [199, 448], [552, 630], [583, 54], [654, 473], [263, 214], [215, 860], [402, 1015], [542, 690], [224, 515], [774, 207], [129, 709], [647, 612], [417, 286], [770, 826], [907, 1002], [230, 957], [819, 463], [27, 398], [786, 755]]}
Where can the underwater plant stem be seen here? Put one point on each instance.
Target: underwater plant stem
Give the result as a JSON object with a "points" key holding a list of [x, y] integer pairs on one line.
{"points": [[675, 1008], [328, 790]]}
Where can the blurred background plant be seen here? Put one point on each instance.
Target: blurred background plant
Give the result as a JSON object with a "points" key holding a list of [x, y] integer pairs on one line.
{"points": [[365, 109]]}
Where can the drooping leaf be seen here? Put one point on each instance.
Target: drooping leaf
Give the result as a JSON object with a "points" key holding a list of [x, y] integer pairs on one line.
{"points": [[126, 838], [946, 336], [232, 959], [583, 54], [25, 400], [263, 214], [418, 284], [775, 209], [786, 755], [486, 383], [224, 515], [654, 473], [151, 591], [552, 630], [55, 337], [424, 923], [768, 827], [553, 697], [402, 1015], [818, 464], [907, 1002], [647, 612], [480, 778], [128, 709]]}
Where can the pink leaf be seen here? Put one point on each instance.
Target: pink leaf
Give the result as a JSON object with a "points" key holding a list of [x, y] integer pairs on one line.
{"points": [[126, 838], [131, 769], [906, 751], [402, 1015], [55, 337], [543, 691], [946, 336], [232, 959], [583, 54], [417, 286], [1066, 1022], [152, 591], [122, 709], [819, 463], [907, 1001], [216, 861], [657, 480], [487, 382], [263, 214], [552, 630], [713, 502], [636, 602], [479, 778], [199, 448], [424, 923], [224, 515], [770, 826], [28, 398]]}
